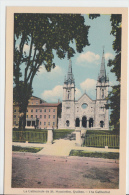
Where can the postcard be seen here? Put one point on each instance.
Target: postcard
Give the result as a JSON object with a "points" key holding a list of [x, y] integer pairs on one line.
{"points": [[66, 100]]}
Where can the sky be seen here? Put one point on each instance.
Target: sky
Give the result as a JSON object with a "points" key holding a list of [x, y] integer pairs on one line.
{"points": [[85, 65]]}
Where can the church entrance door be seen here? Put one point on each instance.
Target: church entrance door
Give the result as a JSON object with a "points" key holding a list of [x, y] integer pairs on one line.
{"points": [[101, 124], [84, 121], [77, 122]]}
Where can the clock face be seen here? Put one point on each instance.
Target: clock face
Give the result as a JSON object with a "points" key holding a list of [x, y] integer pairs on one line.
{"points": [[84, 106]]}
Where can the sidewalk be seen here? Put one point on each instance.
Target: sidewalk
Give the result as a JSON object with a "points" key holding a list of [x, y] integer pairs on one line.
{"points": [[62, 147]]}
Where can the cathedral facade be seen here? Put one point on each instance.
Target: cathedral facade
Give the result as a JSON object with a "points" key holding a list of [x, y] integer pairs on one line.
{"points": [[85, 112]]}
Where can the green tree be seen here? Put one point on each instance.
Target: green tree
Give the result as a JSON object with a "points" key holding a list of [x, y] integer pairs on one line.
{"points": [[114, 95], [42, 34]]}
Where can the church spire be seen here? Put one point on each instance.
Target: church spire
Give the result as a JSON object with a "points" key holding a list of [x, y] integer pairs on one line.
{"points": [[70, 78], [102, 74]]}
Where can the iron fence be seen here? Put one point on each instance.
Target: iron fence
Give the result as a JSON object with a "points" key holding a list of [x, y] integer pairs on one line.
{"points": [[31, 137], [112, 141]]}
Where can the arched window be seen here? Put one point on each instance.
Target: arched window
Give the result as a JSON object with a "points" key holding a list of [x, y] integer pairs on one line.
{"points": [[91, 122], [68, 95], [67, 123], [101, 124]]}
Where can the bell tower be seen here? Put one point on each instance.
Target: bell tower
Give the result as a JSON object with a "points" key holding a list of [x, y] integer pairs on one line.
{"points": [[101, 113], [68, 99], [102, 82], [69, 85]]}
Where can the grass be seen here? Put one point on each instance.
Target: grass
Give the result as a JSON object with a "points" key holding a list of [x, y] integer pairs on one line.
{"points": [[101, 132], [106, 155], [26, 149], [61, 133]]}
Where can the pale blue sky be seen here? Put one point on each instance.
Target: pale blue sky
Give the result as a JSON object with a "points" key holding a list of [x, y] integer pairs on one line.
{"points": [[86, 65]]}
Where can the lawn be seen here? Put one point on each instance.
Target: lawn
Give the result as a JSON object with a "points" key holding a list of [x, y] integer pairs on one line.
{"points": [[26, 149], [101, 132], [106, 155]]}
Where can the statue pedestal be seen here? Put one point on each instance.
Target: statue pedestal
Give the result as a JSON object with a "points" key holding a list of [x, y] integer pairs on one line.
{"points": [[49, 136], [78, 138]]}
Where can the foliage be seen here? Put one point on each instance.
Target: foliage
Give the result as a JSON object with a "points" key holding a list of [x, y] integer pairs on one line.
{"points": [[93, 16], [114, 95], [106, 155], [26, 149], [42, 34]]}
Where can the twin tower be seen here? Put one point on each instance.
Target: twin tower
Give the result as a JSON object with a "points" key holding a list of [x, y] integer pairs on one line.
{"points": [[85, 112]]}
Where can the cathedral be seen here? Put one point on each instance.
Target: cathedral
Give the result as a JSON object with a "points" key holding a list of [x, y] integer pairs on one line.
{"points": [[85, 112]]}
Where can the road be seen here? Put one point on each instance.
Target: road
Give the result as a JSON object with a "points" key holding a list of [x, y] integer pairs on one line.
{"points": [[42, 171]]}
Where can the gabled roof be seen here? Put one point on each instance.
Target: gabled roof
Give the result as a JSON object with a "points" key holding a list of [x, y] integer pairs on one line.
{"points": [[85, 98]]}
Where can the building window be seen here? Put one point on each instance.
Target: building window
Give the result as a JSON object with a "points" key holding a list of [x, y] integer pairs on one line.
{"points": [[49, 110], [31, 116], [68, 95], [27, 111], [40, 123], [49, 116], [31, 110], [14, 116], [53, 110], [44, 110], [44, 116], [44, 123], [36, 102], [32, 102], [15, 110], [67, 123], [53, 116], [40, 116], [27, 116], [53, 123], [36, 110], [102, 93], [36, 116], [48, 123], [41, 110], [84, 105]]}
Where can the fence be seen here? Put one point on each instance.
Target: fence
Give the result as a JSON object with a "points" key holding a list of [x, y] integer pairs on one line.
{"points": [[32, 137], [60, 134], [112, 141]]}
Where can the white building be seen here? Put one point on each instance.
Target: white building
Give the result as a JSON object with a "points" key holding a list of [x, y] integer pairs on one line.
{"points": [[85, 113]]}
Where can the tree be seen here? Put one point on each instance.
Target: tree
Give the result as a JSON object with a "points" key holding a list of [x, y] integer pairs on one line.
{"points": [[42, 34], [114, 95]]}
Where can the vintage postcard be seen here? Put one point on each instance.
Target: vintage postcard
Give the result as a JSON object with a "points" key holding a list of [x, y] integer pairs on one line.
{"points": [[66, 100]]}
